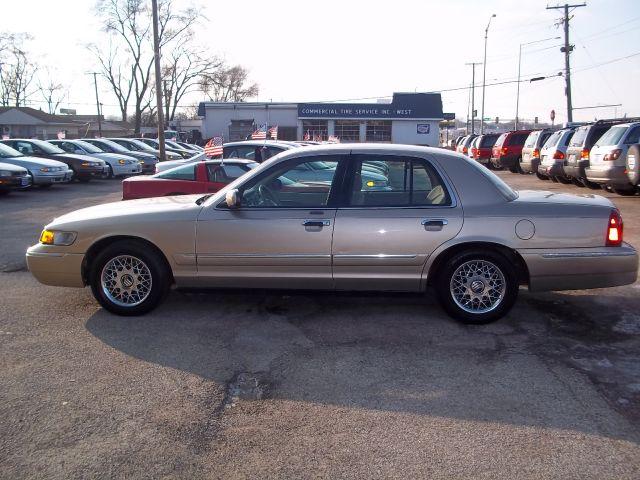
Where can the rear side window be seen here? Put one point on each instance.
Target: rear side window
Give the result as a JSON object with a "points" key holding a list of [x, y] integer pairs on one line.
{"points": [[634, 136], [568, 139], [399, 182], [553, 140], [612, 136], [188, 172]]}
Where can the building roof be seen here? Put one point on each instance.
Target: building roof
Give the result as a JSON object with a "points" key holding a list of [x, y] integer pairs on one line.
{"points": [[40, 115]]}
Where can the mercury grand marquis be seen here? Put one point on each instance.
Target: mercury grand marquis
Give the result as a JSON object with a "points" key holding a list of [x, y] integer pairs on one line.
{"points": [[442, 222]]}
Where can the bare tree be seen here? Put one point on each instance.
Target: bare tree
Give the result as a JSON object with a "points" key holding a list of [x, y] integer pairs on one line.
{"points": [[52, 91], [130, 57], [182, 73], [229, 85], [18, 71]]}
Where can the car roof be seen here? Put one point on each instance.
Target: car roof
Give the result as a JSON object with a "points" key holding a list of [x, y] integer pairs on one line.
{"points": [[237, 161], [258, 143]]}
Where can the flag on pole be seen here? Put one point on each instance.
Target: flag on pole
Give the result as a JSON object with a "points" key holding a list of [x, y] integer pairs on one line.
{"points": [[213, 147], [260, 133], [273, 132]]}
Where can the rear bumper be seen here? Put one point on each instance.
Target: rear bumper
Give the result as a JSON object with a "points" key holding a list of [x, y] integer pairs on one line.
{"points": [[576, 169], [530, 166], [581, 268], [613, 175], [506, 161], [553, 170], [55, 267]]}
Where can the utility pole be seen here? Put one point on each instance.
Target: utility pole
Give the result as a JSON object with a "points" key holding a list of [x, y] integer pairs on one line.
{"points": [[567, 51], [95, 84], [473, 96], [484, 72], [156, 60]]}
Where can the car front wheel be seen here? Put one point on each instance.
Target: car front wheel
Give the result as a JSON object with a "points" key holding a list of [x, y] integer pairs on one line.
{"points": [[477, 287], [127, 278]]}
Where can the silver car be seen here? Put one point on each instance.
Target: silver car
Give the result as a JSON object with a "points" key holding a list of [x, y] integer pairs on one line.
{"points": [[116, 164], [445, 222], [553, 156], [608, 158], [44, 172]]}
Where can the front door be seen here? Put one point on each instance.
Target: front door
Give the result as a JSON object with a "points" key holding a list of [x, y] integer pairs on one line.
{"points": [[279, 236], [389, 227]]}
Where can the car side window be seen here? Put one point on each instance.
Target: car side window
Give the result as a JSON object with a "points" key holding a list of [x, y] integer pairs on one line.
{"points": [[288, 186], [634, 136], [188, 172], [383, 181], [26, 148], [224, 173]]}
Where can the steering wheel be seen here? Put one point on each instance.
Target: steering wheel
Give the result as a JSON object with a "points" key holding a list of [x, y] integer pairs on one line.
{"points": [[266, 196]]}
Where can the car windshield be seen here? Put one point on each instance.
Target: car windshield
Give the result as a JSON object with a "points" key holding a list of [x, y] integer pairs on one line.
{"points": [[117, 147], [531, 139], [8, 152], [87, 146], [141, 145], [47, 147], [612, 137], [579, 137]]}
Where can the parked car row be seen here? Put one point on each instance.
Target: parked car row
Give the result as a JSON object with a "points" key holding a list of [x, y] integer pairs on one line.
{"points": [[603, 154], [32, 162]]}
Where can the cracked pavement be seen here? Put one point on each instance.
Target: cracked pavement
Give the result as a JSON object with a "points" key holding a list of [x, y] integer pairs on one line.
{"points": [[241, 384]]}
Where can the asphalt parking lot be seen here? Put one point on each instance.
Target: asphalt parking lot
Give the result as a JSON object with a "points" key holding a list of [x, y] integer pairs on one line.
{"points": [[245, 384]]}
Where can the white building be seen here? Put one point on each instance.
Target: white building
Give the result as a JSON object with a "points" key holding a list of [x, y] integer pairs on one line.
{"points": [[411, 118]]}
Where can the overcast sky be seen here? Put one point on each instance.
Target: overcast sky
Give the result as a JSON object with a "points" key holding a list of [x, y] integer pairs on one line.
{"points": [[343, 50]]}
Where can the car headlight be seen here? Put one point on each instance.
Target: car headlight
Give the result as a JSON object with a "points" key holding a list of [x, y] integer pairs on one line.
{"points": [[52, 237], [141, 162], [5, 173], [372, 183], [50, 169]]}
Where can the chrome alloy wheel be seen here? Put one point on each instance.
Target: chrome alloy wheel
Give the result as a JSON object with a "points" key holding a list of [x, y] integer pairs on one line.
{"points": [[126, 280], [477, 286]]}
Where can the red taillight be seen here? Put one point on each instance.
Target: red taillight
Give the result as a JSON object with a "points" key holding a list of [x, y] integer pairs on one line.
{"points": [[474, 152], [465, 149], [614, 230], [613, 155], [503, 151], [584, 154], [536, 153], [558, 155]]}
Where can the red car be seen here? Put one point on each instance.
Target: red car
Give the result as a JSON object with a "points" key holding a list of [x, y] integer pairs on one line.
{"points": [[507, 151], [197, 177], [481, 148]]}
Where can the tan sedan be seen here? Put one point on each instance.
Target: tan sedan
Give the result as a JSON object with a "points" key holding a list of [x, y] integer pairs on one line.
{"points": [[344, 217]]}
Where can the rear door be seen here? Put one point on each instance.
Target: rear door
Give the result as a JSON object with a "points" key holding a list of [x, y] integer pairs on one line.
{"points": [[385, 233]]}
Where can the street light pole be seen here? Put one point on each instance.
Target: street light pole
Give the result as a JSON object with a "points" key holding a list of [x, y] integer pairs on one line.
{"points": [[519, 62], [484, 72]]}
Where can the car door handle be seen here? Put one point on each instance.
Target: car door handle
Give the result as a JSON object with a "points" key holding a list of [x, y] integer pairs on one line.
{"points": [[434, 223], [316, 223]]}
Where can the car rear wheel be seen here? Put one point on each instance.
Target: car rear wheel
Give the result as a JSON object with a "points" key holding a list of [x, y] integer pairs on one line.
{"points": [[128, 278], [477, 287], [563, 180], [541, 177], [591, 185], [626, 192], [577, 182]]}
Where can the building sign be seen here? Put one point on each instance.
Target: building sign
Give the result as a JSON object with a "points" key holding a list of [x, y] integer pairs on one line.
{"points": [[423, 128], [403, 106]]}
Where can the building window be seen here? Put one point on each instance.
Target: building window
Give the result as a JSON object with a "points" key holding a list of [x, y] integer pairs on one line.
{"points": [[347, 130], [315, 130], [379, 131]]}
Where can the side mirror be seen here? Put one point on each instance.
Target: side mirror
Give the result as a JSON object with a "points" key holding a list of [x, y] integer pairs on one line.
{"points": [[233, 198]]}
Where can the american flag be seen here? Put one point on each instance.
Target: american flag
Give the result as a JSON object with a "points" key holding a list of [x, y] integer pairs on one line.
{"points": [[260, 133], [273, 132], [213, 147]]}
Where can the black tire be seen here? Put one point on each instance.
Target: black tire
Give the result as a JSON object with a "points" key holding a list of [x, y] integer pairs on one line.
{"points": [[577, 182], [518, 166], [591, 185], [627, 192], [563, 180], [513, 169], [157, 268], [109, 174], [83, 179], [541, 177], [4, 192], [45, 185], [497, 260]]}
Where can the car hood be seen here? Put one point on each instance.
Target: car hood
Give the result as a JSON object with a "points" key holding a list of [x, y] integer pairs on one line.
{"points": [[12, 168], [141, 155], [74, 156], [538, 197], [160, 209], [34, 162], [114, 157]]}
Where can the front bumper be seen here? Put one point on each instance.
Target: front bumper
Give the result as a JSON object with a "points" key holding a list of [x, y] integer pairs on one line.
{"points": [[90, 172], [149, 167], [15, 182], [51, 266], [580, 268], [56, 177], [127, 169], [615, 176]]}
